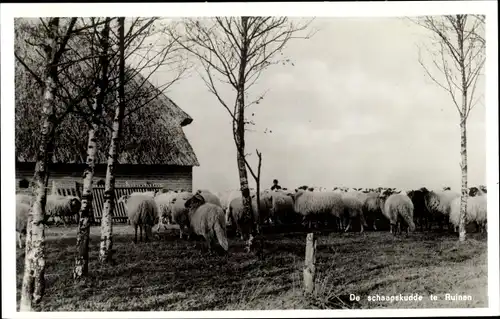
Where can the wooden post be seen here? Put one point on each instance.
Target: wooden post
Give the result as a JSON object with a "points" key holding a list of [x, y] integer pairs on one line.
{"points": [[54, 187], [310, 267]]}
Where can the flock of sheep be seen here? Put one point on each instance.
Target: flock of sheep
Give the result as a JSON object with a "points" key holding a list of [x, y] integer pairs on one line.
{"points": [[209, 215]]}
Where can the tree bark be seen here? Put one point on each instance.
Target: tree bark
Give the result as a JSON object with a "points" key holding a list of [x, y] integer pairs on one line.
{"points": [[109, 190], [34, 263], [465, 194], [240, 135], [83, 235], [463, 134]]}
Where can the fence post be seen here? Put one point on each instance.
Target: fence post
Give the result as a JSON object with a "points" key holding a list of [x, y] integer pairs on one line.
{"points": [[310, 267], [54, 188]]}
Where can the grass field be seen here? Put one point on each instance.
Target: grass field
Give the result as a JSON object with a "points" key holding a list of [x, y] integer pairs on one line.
{"points": [[172, 274]]}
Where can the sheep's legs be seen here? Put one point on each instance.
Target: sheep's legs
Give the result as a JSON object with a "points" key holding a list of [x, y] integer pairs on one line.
{"points": [[393, 229], [374, 225], [348, 226], [362, 222]]}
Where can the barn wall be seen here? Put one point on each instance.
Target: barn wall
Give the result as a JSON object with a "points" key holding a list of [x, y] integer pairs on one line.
{"points": [[174, 177]]}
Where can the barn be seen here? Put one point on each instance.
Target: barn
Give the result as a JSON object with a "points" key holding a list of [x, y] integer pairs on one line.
{"points": [[167, 159]]}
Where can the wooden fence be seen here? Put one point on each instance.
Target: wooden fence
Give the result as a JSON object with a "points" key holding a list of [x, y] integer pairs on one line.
{"points": [[120, 214]]}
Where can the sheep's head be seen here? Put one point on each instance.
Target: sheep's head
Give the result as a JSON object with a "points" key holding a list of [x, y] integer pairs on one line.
{"points": [[194, 201], [483, 188], [473, 191], [297, 194], [446, 188], [311, 189], [386, 193], [305, 187]]}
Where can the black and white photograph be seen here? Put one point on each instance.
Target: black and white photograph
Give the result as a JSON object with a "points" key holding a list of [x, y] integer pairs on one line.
{"points": [[198, 160]]}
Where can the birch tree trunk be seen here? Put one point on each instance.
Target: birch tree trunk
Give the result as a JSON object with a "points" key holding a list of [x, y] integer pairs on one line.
{"points": [[82, 240], [465, 194], [463, 137], [34, 262], [240, 133], [109, 190], [83, 235]]}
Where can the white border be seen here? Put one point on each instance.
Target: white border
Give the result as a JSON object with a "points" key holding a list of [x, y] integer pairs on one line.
{"points": [[355, 9]]}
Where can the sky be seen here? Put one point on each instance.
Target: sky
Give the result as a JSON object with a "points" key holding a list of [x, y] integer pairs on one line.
{"points": [[355, 110]]}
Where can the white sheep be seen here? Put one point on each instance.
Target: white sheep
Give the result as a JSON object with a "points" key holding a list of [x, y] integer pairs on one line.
{"points": [[281, 211], [438, 204], [476, 211], [371, 209], [142, 212], [179, 211], [22, 215], [228, 197], [61, 207], [398, 209], [209, 197], [314, 204], [207, 220], [353, 208], [163, 202], [241, 221]]}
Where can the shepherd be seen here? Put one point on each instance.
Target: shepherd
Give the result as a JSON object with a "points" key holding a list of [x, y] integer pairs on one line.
{"points": [[275, 186]]}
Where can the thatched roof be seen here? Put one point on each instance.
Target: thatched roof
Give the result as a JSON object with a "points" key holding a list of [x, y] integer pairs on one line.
{"points": [[166, 143], [171, 110]]}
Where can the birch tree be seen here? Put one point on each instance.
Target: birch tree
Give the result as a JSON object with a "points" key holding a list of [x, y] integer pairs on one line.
{"points": [[458, 58], [83, 234], [33, 285], [135, 94], [235, 51], [109, 191]]}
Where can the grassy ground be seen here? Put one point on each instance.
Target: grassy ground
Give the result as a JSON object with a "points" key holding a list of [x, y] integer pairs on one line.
{"points": [[172, 274]]}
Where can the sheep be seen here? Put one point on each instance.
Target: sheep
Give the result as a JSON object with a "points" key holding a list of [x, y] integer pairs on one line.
{"points": [[207, 220], [353, 208], [228, 197], [163, 202], [282, 211], [476, 211], [179, 212], [209, 197], [310, 204], [371, 209], [241, 221], [477, 191], [438, 204], [397, 208], [22, 215], [142, 212], [58, 206]]}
